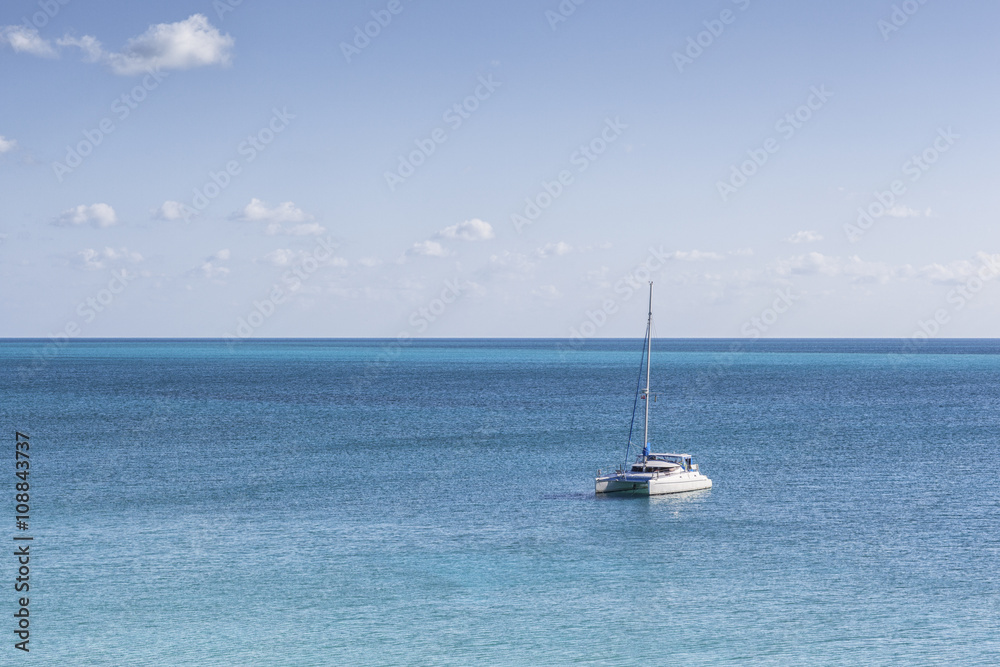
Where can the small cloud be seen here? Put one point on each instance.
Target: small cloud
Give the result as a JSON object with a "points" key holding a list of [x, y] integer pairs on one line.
{"points": [[855, 269], [512, 265], [900, 211], [280, 257], [553, 249], [186, 44], [307, 229], [369, 262], [211, 269], [546, 292], [742, 252], [696, 255], [428, 249], [170, 210], [257, 211], [95, 260], [599, 277], [287, 257], [960, 271], [96, 215], [470, 230], [805, 237], [7, 144], [26, 40], [91, 48]]}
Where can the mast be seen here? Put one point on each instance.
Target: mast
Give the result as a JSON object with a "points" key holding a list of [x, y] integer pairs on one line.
{"points": [[649, 348]]}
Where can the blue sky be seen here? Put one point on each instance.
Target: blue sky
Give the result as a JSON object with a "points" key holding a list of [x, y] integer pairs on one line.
{"points": [[498, 169]]}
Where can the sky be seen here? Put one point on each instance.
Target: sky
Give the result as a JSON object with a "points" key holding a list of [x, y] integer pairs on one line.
{"points": [[499, 169]]}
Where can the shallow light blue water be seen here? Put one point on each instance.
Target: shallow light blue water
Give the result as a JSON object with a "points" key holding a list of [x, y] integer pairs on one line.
{"points": [[355, 502]]}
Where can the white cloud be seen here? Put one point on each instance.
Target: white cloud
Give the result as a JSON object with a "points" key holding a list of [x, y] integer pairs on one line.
{"points": [[96, 215], [287, 257], [469, 230], [742, 252], [521, 266], [193, 42], [511, 265], [696, 255], [91, 48], [369, 262], [551, 249], [7, 144], [900, 211], [95, 260], [546, 292], [428, 249], [957, 272], [257, 211], [211, 269], [280, 257], [805, 237], [599, 277], [169, 210], [307, 229], [853, 268], [26, 40]]}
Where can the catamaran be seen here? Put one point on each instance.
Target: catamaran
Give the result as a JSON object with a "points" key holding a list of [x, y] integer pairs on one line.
{"points": [[651, 474]]}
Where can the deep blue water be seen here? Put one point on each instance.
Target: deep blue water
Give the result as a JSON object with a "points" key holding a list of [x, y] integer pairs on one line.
{"points": [[363, 503]]}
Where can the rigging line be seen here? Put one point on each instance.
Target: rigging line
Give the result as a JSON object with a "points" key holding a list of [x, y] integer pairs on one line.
{"points": [[635, 401]]}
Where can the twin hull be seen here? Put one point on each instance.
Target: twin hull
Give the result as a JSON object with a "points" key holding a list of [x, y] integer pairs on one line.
{"points": [[650, 485]]}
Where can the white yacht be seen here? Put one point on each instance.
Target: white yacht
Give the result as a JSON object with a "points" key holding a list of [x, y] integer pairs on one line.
{"points": [[652, 474]]}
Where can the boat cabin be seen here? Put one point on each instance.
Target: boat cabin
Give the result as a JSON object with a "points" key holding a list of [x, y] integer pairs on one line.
{"points": [[666, 463]]}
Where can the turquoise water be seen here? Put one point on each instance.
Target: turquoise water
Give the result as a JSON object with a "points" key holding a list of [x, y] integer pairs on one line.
{"points": [[355, 502]]}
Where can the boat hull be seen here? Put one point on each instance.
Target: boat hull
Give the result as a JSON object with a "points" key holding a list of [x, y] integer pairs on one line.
{"points": [[651, 485]]}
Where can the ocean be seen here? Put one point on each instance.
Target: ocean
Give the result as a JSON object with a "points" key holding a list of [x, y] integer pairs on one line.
{"points": [[369, 502]]}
